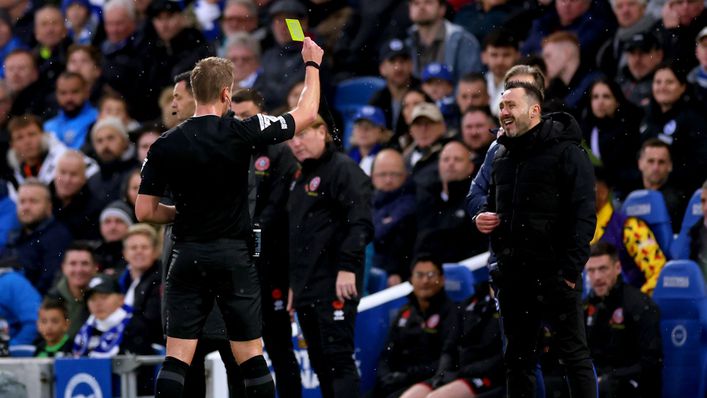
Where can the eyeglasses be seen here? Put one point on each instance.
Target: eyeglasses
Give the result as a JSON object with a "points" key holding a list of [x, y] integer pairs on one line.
{"points": [[426, 275]]}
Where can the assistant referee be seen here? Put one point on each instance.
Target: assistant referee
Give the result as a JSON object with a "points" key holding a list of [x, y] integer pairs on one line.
{"points": [[205, 163]]}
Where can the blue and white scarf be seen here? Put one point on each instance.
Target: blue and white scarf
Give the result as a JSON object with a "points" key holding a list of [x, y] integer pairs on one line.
{"points": [[111, 329]]}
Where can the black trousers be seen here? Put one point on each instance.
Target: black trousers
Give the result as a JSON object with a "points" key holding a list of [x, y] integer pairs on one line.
{"points": [[525, 304], [328, 329]]}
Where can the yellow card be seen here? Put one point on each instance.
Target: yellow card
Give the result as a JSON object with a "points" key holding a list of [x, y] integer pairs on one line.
{"points": [[295, 29]]}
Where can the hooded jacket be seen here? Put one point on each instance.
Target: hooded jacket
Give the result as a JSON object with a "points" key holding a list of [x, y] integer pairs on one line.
{"points": [[542, 188]]}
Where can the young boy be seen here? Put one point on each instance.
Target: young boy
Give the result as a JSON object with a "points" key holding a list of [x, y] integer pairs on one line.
{"points": [[499, 55], [53, 325]]}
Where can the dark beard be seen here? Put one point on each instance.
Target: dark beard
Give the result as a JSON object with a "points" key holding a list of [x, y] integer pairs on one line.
{"points": [[72, 113]]}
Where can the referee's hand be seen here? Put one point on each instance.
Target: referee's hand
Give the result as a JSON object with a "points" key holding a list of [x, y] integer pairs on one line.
{"points": [[346, 285], [311, 51]]}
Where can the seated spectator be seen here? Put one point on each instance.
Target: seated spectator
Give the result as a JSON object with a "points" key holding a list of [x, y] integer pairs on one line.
{"points": [[73, 203], [417, 332], [238, 16], [643, 54], [568, 77], [698, 76], [427, 131], [33, 153], [437, 83], [623, 330], [53, 325], [698, 236], [591, 22], [393, 215], [8, 41], [632, 19], [52, 42], [40, 242], [115, 220], [81, 21], [610, 130], [78, 267], [368, 136], [499, 55], [432, 38], [396, 68], [472, 90], [443, 226], [115, 155], [102, 333], [141, 283], [476, 133], [472, 357], [22, 77], [19, 304], [681, 21], [76, 114], [113, 105], [244, 51], [129, 190], [143, 138], [411, 99], [86, 61], [481, 17], [676, 120]]}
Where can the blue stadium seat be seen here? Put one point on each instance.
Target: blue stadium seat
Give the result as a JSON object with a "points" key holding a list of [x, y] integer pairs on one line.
{"points": [[357, 91], [681, 246], [377, 280], [458, 282], [680, 294], [649, 206]]}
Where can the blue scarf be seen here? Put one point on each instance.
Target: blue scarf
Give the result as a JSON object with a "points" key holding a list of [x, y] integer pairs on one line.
{"points": [[701, 77], [111, 336]]}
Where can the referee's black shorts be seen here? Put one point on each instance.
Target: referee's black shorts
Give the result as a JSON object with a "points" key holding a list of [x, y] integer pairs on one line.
{"points": [[202, 272]]}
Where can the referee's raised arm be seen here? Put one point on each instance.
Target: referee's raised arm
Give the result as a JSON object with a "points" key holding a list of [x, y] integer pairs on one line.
{"points": [[308, 105]]}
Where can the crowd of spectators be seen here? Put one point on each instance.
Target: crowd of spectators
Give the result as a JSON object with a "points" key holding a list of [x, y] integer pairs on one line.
{"points": [[86, 87]]}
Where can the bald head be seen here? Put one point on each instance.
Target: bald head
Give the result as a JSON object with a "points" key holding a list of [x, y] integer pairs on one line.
{"points": [[70, 175], [455, 162], [388, 170]]}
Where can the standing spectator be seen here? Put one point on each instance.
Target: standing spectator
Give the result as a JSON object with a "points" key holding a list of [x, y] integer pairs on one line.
{"points": [[591, 22], [19, 305], [623, 330], [115, 155], [499, 54], [443, 227], [41, 240], [330, 225], [368, 136], [115, 220], [472, 90], [682, 21], [78, 267], [541, 243], [698, 76], [393, 215], [427, 131], [610, 130], [73, 203], [76, 114], [477, 133], [22, 77], [698, 235], [632, 19], [396, 68], [678, 121], [434, 39], [244, 51], [53, 325], [417, 332], [643, 54], [52, 42]]}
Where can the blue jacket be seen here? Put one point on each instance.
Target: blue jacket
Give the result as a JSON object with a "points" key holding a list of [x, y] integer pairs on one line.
{"points": [[40, 251], [479, 189], [72, 131], [8, 215], [19, 306], [462, 52]]}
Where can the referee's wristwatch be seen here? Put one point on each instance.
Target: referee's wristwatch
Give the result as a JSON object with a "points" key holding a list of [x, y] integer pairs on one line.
{"points": [[312, 64]]}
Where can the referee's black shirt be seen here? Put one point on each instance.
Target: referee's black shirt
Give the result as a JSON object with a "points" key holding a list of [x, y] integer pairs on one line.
{"points": [[205, 163]]}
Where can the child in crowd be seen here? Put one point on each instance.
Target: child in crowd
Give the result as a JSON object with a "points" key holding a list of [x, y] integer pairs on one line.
{"points": [[53, 326]]}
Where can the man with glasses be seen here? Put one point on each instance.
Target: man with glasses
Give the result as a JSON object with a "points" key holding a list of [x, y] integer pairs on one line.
{"points": [[417, 333], [244, 51]]}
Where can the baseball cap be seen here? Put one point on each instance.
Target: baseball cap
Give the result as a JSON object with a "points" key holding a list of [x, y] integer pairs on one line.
{"points": [[288, 7], [371, 113], [428, 110], [702, 34], [436, 71], [393, 48], [643, 42], [102, 284]]}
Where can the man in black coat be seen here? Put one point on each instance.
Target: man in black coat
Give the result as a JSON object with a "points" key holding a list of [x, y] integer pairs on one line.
{"points": [[541, 217]]}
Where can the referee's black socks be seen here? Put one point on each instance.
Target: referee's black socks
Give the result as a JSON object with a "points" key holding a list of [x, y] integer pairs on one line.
{"points": [[257, 378], [170, 380]]}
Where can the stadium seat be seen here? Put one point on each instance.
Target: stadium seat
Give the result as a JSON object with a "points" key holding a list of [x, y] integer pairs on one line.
{"points": [[680, 294], [681, 246], [377, 280], [357, 91], [649, 206], [458, 282]]}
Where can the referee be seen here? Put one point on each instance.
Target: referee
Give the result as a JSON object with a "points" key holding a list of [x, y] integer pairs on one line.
{"points": [[210, 260]]}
